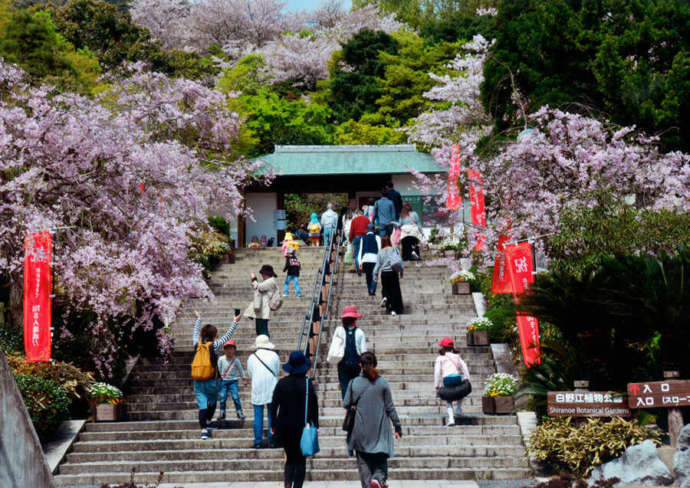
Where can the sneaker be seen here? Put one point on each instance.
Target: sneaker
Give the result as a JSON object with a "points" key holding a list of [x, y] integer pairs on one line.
{"points": [[375, 484], [221, 416], [383, 304], [285, 295], [240, 415], [393, 314], [299, 296], [204, 434], [415, 255]]}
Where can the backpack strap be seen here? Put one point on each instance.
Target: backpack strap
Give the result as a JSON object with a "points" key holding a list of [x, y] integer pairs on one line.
{"points": [[306, 401]]}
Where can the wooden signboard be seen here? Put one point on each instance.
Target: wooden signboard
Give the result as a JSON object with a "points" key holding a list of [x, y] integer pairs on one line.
{"points": [[659, 394], [586, 404]]}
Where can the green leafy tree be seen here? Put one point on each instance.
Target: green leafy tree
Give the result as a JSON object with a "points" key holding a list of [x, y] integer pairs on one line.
{"points": [[356, 86], [31, 41], [626, 58], [353, 132], [272, 119], [246, 76], [406, 76]]}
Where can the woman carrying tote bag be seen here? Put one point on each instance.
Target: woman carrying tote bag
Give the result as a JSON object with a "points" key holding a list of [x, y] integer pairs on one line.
{"points": [[288, 416], [371, 438], [260, 308]]}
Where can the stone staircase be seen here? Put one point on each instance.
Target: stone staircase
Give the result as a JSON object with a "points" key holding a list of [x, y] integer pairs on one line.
{"points": [[162, 433]]}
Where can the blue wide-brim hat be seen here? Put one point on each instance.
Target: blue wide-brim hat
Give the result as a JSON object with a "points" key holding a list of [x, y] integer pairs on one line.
{"points": [[297, 364]]}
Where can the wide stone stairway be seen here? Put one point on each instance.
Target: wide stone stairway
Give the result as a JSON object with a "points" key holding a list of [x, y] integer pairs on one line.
{"points": [[162, 433]]}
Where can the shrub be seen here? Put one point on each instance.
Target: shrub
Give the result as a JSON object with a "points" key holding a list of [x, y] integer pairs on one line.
{"points": [[566, 447], [46, 401], [74, 382], [500, 384]]}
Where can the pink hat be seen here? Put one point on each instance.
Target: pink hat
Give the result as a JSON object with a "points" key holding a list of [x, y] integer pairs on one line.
{"points": [[351, 312], [447, 342]]}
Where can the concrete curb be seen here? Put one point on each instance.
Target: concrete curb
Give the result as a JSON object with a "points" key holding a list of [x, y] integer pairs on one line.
{"points": [[56, 449]]}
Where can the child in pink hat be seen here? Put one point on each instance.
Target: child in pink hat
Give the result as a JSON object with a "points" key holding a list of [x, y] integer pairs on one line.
{"points": [[347, 345]]}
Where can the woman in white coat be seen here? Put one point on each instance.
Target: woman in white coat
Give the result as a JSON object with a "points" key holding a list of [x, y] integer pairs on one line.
{"points": [[260, 309], [347, 345]]}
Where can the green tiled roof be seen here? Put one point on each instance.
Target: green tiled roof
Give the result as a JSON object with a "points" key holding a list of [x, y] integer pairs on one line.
{"points": [[348, 160]]}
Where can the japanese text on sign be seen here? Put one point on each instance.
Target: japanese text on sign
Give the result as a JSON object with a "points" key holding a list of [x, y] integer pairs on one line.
{"points": [[655, 394], [586, 404]]}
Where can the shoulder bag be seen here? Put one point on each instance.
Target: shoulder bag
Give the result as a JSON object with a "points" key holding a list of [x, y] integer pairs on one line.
{"points": [[309, 443], [396, 261], [275, 375], [349, 421], [452, 379]]}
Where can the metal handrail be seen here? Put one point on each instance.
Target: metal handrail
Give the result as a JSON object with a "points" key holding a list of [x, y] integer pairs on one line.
{"points": [[319, 283], [324, 318]]}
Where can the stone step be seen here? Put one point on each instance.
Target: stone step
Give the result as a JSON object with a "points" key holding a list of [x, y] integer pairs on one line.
{"points": [[326, 423], [326, 452], [276, 475]]}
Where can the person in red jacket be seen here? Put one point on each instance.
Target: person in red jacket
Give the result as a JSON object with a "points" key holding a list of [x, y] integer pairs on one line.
{"points": [[358, 229]]}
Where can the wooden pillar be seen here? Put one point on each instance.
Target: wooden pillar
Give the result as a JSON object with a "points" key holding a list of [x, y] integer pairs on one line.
{"points": [[280, 205], [675, 416]]}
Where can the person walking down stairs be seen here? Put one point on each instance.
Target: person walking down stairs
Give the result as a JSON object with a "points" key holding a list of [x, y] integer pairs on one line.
{"points": [[266, 298], [288, 416], [371, 438], [231, 372], [449, 371], [263, 366], [205, 368], [347, 346]]}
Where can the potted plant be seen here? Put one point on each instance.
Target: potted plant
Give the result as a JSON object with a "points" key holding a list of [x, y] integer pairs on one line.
{"points": [[460, 281], [478, 331], [498, 394], [107, 401]]}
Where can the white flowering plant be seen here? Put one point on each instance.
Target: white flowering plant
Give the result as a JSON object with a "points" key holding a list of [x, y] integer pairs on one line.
{"points": [[462, 275], [105, 393], [479, 323], [500, 384]]}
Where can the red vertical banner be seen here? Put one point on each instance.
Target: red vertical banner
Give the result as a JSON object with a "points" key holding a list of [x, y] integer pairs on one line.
{"points": [[477, 210], [453, 200], [38, 288], [476, 198], [520, 266], [500, 282]]}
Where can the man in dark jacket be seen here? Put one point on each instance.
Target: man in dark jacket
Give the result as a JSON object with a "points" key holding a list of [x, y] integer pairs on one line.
{"points": [[395, 197]]}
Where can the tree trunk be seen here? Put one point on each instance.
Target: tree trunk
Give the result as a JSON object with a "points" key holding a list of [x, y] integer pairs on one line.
{"points": [[15, 305]]}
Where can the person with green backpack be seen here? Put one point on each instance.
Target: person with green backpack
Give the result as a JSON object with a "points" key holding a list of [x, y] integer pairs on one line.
{"points": [[205, 368]]}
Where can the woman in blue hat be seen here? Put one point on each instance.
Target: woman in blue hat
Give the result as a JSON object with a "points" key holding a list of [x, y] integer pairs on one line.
{"points": [[287, 416]]}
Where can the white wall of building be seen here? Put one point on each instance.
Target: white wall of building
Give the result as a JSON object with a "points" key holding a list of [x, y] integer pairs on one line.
{"points": [[262, 205]]}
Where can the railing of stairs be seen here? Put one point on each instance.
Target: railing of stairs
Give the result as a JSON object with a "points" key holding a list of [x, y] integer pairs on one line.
{"points": [[320, 304]]}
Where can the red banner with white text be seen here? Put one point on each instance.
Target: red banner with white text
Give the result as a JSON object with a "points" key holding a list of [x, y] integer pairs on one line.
{"points": [[520, 267], [453, 200], [38, 288], [500, 282], [477, 210]]}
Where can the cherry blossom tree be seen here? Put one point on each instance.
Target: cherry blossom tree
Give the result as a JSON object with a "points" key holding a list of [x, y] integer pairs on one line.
{"points": [[126, 182], [303, 59], [563, 162], [163, 18], [464, 121]]}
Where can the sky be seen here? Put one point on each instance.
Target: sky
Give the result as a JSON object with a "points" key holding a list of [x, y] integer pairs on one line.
{"points": [[310, 4]]}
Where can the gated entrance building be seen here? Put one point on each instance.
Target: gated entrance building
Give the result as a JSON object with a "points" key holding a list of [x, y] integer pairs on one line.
{"points": [[358, 171]]}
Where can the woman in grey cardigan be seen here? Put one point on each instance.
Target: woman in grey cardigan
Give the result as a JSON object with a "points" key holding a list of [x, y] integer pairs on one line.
{"points": [[259, 310], [371, 438]]}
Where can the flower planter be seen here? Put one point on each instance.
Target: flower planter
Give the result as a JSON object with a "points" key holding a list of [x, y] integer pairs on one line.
{"points": [[107, 412], [498, 405], [461, 288], [478, 338]]}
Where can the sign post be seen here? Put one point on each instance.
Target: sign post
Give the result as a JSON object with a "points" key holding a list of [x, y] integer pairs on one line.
{"points": [[671, 394], [586, 404]]}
